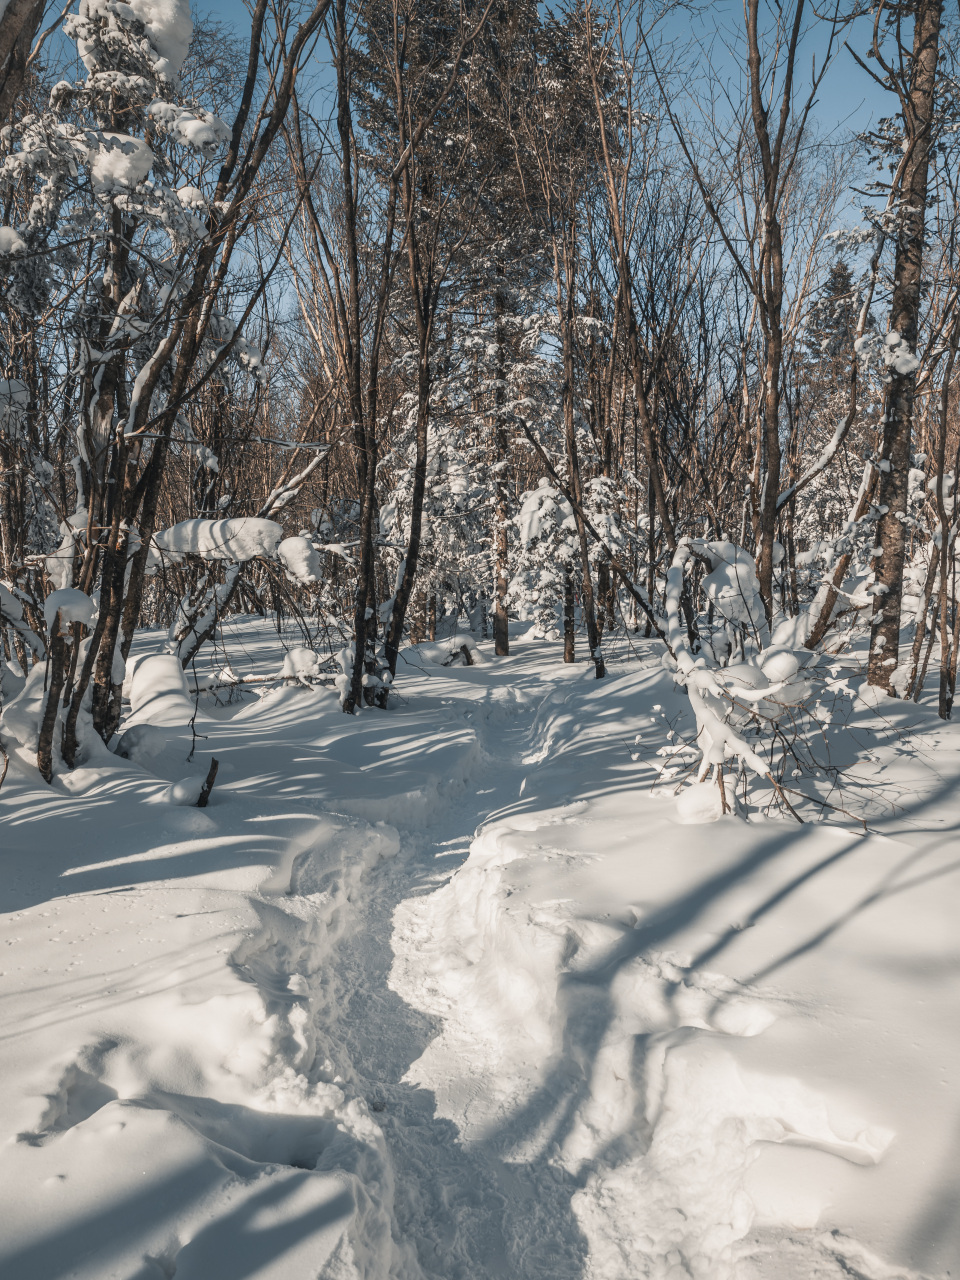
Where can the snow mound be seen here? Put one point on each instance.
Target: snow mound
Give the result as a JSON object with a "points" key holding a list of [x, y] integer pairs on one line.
{"points": [[445, 653], [301, 665], [185, 793], [141, 743], [158, 691], [9, 604], [685, 1196], [698, 803], [169, 28], [21, 717], [194, 128], [192, 198], [519, 973], [732, 585], [10, 242], [898, 356]]}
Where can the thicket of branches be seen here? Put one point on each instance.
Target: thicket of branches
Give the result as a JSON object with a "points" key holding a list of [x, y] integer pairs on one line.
{"points": [[392, 315]]}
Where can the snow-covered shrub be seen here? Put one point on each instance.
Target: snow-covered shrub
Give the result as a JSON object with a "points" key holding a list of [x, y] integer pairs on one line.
{"points": [[747, 689]]}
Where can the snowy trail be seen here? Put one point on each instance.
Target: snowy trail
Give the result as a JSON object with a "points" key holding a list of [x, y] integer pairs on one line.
{"points": [[464, 1209], [450, 993]]}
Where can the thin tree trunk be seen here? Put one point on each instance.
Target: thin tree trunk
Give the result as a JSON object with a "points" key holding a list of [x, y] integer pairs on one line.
{"points": [[56, 676], [412, 557], [501, 516], [569, 622]]}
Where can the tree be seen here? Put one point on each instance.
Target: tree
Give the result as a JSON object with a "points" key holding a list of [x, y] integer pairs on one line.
{"points": [[914, 80]]}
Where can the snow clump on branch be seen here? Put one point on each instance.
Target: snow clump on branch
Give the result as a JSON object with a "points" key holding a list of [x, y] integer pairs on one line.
{"points": [[117, 160], [167, 30], [238, 539], [300, 560], [72, 605]]}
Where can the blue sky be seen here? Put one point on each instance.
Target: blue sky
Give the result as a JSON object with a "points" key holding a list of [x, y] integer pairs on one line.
{"points": [[848, 97]]}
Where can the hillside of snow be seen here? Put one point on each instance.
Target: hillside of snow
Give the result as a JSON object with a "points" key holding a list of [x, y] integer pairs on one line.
{"points": [[464, 989]]}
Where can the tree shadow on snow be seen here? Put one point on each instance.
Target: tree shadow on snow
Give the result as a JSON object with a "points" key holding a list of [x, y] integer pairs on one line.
{"points": [[551, 1115]]}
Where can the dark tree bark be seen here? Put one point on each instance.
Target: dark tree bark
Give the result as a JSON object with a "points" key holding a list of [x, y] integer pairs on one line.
{"points": [[569, 622], [56, 677], [588, 603], [501, 506], [917, 101], [19, 24]]}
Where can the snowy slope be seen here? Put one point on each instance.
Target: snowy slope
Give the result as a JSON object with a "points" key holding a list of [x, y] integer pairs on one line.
{"points": [[451, 991]]}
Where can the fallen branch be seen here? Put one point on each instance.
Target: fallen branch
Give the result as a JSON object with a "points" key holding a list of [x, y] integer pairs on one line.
{"points": [[204, 797]]}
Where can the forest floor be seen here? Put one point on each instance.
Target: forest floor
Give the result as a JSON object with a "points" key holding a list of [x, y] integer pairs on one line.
{"points": [[453, 992]]}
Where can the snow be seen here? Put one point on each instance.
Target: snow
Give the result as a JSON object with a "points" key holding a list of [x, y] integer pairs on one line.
{"points": [[169, 28], [20, 719], [10, 242], [700, 802], [14, 395], [186, 792], [443, 653], [300, 664], [141, 743], [72, 605], [237, 539], [732, 585], [540, 509], [195, 128], [192, 198], [10, 606], [119, 160], [300, 559], [898, 356], [450, 991], [157, 690]]}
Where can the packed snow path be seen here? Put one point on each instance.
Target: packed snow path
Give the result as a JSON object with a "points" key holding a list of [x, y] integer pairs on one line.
{"points": [[451, 992], [467, 1211]]}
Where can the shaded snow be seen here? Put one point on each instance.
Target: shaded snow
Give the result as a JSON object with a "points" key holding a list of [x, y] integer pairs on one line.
{"points": [[10, 241]]}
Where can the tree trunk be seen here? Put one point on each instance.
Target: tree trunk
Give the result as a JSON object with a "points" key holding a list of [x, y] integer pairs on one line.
{"points": [[576, 488], [21, 18], [501, 516], [895, 453], [56, 676], [569, 622], [412, 557]]}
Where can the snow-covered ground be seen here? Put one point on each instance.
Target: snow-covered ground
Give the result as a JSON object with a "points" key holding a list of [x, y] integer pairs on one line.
{"points": [[457, 991]]}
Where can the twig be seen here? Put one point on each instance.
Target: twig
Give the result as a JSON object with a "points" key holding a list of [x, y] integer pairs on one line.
{"points": [[826, 804], [779, 790], [725, 807]]}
